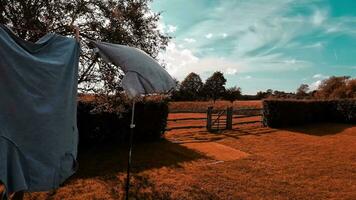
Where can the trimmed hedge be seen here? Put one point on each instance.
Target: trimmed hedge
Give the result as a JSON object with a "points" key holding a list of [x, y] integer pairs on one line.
{"points": [[102, 127], [281, 113]]}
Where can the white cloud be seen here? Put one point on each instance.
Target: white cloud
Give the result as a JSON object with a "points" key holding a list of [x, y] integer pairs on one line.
{"points": [[171, 28], [189, 40], [177, 59], [161, 26], [314, 45], [290, 62], [259, 40], [247, 77], [180, 62], [231, 71], [315, 85], [320, 76], [164, 28], [209, 35], [335, 55], [319, 17]]}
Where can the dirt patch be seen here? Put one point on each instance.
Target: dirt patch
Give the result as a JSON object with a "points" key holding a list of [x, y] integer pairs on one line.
{"points": [[217, 151]]}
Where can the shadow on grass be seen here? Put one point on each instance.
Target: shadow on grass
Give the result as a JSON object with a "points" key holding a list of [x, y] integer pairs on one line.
{"points": [[320, 129], [257, 130], [110, 159]]}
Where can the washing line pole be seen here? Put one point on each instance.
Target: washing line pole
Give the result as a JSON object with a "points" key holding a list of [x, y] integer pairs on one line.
{"points": [[132, 126]]}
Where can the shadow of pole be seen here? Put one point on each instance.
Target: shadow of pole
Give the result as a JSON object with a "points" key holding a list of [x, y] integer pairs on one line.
{"points": [[110, 160]]}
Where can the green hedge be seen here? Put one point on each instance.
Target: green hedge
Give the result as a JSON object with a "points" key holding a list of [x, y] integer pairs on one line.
{"points": [[281, 113], [102, 126]]}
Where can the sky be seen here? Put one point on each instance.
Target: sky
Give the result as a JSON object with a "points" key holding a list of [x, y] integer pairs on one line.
{"points": [[260, 44]]}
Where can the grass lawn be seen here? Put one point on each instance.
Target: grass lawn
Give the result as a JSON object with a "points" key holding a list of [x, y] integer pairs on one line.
{"points": [[249, 162]]}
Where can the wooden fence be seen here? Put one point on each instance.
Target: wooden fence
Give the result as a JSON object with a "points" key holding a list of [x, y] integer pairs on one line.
{"points": [[219, 119]]}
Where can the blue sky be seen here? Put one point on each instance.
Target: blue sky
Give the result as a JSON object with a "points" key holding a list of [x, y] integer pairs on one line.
{"points": [[260, 44]]}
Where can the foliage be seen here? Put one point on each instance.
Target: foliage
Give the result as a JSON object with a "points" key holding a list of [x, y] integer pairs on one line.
{"points": [[190, 88], [100, 125], [232, 94], [337, 87], [281, 95], [127, 22], [281, 113], [214, 86], [332, 88], [351, 88], [302, 91], [263, 95], [157, 113]]}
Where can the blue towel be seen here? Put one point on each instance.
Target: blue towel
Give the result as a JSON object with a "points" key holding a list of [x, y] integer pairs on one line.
{"points": [[38, 131], [143, 74]]}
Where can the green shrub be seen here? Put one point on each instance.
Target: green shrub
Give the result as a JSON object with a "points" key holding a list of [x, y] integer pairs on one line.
{"points": [[280, 113], [98, 126]]}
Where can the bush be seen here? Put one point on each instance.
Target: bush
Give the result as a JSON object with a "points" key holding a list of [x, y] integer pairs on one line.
{"points": [[150, 120], [103, 126], [280, 113]]}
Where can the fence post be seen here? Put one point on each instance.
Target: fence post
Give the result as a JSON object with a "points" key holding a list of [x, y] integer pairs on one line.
{"points": [[229, 112], [208, 118]]}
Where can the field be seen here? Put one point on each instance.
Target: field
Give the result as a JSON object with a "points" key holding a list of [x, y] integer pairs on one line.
{"points": [[310, 162], [202, 106], [249, 162]]}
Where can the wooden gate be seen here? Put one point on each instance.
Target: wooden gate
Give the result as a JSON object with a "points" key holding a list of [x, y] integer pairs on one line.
{"points": [[218, 120]]}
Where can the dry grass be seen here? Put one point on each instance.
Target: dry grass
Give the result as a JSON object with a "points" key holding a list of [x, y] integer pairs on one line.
{"points": [[202, 106], [309, 162]]}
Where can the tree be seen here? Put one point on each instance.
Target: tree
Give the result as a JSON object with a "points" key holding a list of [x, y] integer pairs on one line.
{"points": [[351, 88], [282, 95], [191, 86], [302, 91], [214, 86], [263, 95], [333, 87], [175, 94], [232, 94], [127, 22]]}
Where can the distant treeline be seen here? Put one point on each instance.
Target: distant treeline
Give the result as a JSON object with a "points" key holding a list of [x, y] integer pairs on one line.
{"points": [[192, 88]]}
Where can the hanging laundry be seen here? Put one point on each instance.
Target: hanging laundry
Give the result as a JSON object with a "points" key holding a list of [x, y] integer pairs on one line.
{"points": [[38, 131], [143, 75]]}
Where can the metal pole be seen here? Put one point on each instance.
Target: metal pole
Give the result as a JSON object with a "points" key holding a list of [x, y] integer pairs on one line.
{"points": [[132, 126], [208, 118]]}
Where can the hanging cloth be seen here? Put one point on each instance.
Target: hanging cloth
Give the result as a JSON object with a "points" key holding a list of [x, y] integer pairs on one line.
{"points": [[143, 75], [38, 131]]}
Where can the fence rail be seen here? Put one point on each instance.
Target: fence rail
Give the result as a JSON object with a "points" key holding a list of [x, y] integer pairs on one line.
{"points": [[217, 119], [238, 110]]}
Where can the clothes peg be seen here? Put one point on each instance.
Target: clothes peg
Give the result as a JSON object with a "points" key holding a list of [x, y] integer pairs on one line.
{"points": [[76, 32]]}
